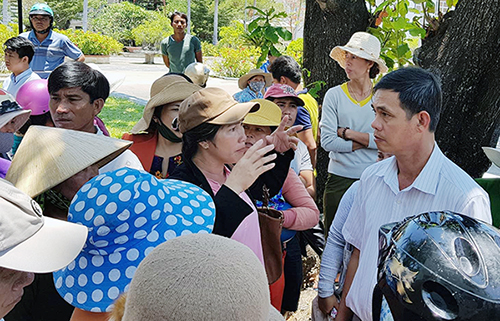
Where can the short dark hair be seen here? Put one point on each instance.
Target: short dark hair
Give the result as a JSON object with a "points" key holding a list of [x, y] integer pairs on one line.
{"points": [[418, 89], [180, 14], [191, 138], [78, 74], [286, 66], [22, 46]]}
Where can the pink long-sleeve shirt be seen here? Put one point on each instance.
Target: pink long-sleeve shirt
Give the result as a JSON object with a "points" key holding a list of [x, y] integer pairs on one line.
{"points": [[304, 213]]}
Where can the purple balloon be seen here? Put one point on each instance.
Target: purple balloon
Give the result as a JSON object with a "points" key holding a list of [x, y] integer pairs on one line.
{"points": [[34, 95]]}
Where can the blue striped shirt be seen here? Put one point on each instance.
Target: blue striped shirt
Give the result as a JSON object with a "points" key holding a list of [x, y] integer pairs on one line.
{"points": [[50, 52], [441, 185]]}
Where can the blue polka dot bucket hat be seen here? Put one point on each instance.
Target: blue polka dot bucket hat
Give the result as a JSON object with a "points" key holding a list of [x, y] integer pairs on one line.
{"points": [[128, 213]]}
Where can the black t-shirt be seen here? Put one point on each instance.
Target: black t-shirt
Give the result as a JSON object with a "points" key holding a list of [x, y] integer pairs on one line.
{"points": [[41, 302]]}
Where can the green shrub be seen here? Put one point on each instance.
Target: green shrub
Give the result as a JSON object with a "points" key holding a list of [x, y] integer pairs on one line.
{"points": [[209, 49], [150, 33], [118, 19], [6, 32], [232, 35], [296, 49], [235, 62], [91, 43]]}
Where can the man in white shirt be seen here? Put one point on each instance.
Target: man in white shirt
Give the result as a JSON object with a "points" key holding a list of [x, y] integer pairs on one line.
{"points": [[407, 104], [18, 55]]}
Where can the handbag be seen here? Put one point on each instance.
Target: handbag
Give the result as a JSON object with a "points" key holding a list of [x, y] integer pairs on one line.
{"points": [[270, 223]]}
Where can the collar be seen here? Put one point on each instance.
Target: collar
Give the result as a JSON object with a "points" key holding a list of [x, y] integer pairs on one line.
{"points": [[32, 36], [21, 76], [427, 179], [214, 182], [354, 101]]}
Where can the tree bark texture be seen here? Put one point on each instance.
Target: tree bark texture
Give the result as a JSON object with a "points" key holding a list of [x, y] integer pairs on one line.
{"points": [[464, 52], [329, 23]]}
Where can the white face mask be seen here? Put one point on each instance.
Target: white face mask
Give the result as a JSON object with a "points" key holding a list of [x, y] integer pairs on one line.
{"points": [[256, 86]]}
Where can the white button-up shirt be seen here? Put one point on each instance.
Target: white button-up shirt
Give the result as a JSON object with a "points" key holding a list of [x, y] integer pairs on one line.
{"points": [[441, 185], [13, 83]]}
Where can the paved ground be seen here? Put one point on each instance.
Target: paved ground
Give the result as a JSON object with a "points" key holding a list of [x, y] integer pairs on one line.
{"points": [[138, 77]]}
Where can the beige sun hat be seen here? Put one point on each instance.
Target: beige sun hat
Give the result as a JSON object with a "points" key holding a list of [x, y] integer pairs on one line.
{"points": [[163, 82], [363, 45], [214, 106], [167, 89], [209, 277], [48, 156], [243, 81], [31, 242]]}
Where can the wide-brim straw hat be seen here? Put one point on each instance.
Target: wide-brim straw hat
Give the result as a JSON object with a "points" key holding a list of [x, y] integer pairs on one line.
{"points": [[172, 90], [47, 156], [363, 45], [200, 277], [243, 81], [269, 114]]}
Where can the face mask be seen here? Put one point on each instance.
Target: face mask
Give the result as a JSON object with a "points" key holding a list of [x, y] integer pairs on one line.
{"points": [[166, 132], [6, 142], [257, 86]]}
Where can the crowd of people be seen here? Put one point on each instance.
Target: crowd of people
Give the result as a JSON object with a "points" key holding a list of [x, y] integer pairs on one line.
{"points": [[202, 211]]}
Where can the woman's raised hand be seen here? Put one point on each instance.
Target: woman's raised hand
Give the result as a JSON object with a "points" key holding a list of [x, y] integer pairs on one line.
{"points": [[283, 139], [251, 166]]}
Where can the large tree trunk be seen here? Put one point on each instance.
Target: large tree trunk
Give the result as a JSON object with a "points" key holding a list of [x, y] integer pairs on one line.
{"points": [[329, 23], [465, 53]]}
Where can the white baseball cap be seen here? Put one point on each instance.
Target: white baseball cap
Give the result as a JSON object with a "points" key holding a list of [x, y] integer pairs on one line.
{"points": [[31, 242]]}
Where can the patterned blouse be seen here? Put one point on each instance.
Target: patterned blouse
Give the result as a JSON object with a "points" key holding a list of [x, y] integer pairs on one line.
{"points": [[157, 166]]}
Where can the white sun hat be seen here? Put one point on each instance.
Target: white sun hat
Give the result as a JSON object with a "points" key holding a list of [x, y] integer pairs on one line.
{"points": [[31, 242], [363, 45]]}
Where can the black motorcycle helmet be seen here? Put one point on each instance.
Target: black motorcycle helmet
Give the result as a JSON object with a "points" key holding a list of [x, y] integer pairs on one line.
{"points": [[438, 266]]}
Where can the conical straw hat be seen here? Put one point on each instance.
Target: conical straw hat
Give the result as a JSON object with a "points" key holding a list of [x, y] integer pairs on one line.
{"points": [[48, 156]]}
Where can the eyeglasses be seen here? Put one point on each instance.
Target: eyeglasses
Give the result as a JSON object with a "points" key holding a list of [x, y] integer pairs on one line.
{"points": [[40, 18]]}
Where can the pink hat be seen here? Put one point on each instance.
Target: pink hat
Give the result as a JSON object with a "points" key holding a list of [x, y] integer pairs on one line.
{"points": [[282, 91], [34, 96]]}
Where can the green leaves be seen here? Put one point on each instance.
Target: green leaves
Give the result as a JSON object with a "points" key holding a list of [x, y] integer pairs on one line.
{"points": [[400, 24], [417, 32], [402, 50], [285, 34], [271, 34], [256, 9], [263, 34]]}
